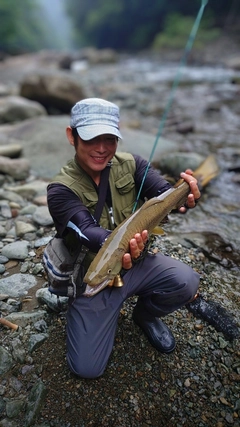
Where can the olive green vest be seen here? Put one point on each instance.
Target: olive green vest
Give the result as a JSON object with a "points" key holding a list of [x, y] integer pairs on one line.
{"points": [[122, 185]]}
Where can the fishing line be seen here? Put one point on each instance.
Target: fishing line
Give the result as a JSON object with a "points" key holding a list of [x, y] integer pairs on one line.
{"points": [[187, 49]]}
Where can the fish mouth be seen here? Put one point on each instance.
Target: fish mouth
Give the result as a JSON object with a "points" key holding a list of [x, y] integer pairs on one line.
{"points": [[92, 290]]}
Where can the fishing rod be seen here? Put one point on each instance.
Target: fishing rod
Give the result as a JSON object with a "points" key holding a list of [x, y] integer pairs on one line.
{"points": [[187, 49]]}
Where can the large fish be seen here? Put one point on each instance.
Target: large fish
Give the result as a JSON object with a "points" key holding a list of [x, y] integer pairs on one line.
{"points": [[108, 262]]}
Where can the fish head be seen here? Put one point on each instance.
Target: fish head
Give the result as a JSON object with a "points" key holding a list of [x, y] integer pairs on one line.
{"points": [[104, 269]]}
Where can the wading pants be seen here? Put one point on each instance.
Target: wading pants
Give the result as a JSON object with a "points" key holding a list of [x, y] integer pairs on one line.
{"points": [[163, 284]]}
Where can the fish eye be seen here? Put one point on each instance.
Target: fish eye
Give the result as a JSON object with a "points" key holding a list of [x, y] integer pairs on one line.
{"points": [[109, 271]]}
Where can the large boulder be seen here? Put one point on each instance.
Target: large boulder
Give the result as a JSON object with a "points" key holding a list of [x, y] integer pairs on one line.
{"points": [[17, 168], [56, 91], [10, 150], [233, 62], [16, 108], [44, 142]]}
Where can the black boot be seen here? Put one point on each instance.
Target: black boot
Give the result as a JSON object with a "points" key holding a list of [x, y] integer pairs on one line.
{"points": [[159, 335], [215, 315]]}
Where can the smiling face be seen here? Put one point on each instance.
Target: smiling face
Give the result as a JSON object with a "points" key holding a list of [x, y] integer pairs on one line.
{"points": [[94, 155]]}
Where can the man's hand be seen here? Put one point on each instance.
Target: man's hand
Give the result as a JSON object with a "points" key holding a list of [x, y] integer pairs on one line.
{"points": [[136, 246], [195, 192]]}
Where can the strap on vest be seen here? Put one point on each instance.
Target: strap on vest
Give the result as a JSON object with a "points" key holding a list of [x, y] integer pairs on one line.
{"points": [[103, 186]]}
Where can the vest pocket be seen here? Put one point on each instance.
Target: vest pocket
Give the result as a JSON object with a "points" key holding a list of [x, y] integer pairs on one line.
{"points": [[127, 210], [89, 199], [125, 184]]}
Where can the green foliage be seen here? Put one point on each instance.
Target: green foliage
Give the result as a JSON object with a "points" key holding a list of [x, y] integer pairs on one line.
{"points": [[177, 29], [121, 24], [137, 24], [22, 27]]}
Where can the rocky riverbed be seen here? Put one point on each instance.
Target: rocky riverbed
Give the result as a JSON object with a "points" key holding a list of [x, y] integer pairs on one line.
{"points": [[199, 382]]}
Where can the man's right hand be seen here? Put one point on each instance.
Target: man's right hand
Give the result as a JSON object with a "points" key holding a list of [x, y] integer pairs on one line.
{"points": [[136, 246]]}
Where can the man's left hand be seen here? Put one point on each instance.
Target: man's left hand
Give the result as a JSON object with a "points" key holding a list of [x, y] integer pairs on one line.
{"points": [[194, 195]]}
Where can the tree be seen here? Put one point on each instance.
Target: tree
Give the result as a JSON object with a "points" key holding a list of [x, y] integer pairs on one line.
{"points": [[22, 27], [133, 24]]}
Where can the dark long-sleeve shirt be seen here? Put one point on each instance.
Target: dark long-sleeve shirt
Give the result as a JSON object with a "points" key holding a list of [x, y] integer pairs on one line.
{"points": [[68, 211]]}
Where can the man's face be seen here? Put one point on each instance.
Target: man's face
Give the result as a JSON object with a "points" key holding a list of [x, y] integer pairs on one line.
{"points": [[94, 155]]}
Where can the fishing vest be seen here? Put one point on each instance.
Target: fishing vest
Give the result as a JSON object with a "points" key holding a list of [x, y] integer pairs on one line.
{"points": [[122, 186]]}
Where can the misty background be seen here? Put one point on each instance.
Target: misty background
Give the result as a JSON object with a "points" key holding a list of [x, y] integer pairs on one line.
{"points": [[125, 25], [58, 23]]}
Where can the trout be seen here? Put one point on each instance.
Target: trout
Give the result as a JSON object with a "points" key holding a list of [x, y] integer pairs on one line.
{"points": [[108, 262]]}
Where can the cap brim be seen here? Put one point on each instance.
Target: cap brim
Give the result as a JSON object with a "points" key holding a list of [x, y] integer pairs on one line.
{"points": [[89, 132]]}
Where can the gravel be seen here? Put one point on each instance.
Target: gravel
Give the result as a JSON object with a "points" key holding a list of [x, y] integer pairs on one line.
{"points": [[198, 383]]}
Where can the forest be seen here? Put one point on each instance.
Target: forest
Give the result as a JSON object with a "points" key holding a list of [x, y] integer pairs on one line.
{"points": [[125, 25]]}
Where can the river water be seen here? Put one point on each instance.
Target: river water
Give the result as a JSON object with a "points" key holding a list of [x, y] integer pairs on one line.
{"points": [[211, 100]]}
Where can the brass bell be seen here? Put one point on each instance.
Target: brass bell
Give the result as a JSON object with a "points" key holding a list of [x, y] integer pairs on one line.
{"points": [[118, 282]]}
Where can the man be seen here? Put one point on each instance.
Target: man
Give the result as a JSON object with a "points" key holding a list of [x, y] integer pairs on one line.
{"points": [[161, 283]]}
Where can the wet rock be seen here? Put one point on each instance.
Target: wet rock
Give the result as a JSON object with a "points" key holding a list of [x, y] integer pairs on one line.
{"points": [[15, 304], [5, 209], [11, 196], [27, 318], [8, 308], [6, 361], [17, 284], [14, 407], [185, 127], [2, 231], [35, 401], [175, 163], [22, 228], [4, 90], [29, 190], [16, 108], [40, 326], [40, 200], [11, 150], [234, 62], [55, 91], [18, 351], [3, 259], [2, 269], [17, 168], [42, 241], [97, 56], [42, 216], [16, 250], [38, 132], [36, 340]]}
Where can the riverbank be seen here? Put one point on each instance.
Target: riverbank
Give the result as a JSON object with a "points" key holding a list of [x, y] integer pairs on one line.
{"points": [[199, 382]]}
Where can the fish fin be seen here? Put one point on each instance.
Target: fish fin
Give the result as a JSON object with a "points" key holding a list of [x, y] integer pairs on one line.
{"points": [[158, 230], [207, 170]]}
